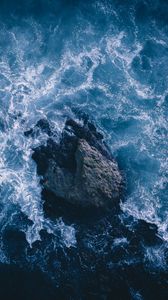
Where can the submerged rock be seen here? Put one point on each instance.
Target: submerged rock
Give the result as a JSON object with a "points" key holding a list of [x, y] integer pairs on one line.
{"points": [[80, 169]]}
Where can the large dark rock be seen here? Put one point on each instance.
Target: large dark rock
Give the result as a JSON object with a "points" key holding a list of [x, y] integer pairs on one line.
{"points": [[80, 169]]}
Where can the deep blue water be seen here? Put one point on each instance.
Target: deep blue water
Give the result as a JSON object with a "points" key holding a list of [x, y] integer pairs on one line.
{"points": [[108, 59]]}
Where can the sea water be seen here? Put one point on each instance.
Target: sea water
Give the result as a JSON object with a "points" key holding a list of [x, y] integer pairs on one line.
{"points": [[108, 59]]}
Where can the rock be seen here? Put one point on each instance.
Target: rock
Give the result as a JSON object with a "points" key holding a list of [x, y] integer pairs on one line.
{"points": [[80, 169], [88, 132], [97, 176], [64, 152], [42, 125], [44, 154], [96, 182]]}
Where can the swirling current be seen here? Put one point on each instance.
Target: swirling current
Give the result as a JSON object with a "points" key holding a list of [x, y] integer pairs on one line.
{"points": [[109, 59]]}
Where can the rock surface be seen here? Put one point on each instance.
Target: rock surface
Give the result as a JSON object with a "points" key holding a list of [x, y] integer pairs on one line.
{"points": [[96, 181]]}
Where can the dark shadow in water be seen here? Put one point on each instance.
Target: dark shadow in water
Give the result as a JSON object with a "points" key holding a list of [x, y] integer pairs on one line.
{"points": [[20, 284]]}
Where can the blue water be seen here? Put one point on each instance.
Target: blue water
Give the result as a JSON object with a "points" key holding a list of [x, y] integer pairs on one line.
{"points": [[108, 59]]}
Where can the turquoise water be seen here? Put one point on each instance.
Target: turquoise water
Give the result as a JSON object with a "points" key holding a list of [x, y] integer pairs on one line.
{"points": [[106, 58]]}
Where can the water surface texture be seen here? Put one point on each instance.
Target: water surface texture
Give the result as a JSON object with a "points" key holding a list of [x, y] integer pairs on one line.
{"points": [[108, 59]]}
